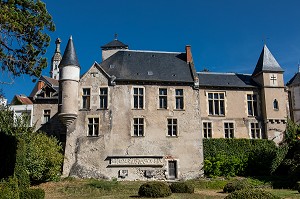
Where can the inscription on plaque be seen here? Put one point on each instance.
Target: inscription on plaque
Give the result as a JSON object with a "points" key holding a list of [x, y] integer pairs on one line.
{"points": [[136, 161]]}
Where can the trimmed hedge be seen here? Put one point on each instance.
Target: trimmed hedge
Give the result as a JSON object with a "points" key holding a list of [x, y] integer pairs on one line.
{"points": [[154, 190], [20, 166], [181, 187], [9, 189], [32, 194], [243, 157], [250, 194], [236, 185]]}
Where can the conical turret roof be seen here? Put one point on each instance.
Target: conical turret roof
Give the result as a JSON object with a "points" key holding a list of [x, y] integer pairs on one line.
{"points": [[69, 57], [266, 62]]}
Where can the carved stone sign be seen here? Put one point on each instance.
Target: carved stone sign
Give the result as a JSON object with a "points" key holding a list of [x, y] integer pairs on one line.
{"points": [[136, 161]]}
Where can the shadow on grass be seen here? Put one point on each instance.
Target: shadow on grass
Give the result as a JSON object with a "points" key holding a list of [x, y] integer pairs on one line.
{"points": [[277, 182]]}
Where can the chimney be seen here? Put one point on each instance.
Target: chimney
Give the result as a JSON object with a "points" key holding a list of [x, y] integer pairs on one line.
{"points": [[189, 57], [40, 85]]}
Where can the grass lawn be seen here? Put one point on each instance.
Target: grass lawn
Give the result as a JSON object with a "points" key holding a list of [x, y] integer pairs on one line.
{"points": [[89, 188]]}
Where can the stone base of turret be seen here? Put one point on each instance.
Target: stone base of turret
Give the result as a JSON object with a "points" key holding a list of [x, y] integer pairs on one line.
{"points": [[67, 118]]}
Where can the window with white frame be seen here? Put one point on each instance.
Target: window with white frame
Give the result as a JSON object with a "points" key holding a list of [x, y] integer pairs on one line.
{"points": [[163, 98], [216, 103], [138, 127], [207, 129], [229, 129], [138, 98], [46, 116], [252, 104], [255, 130], [172, 127], [103, 98], [93, 126], [179, 99], [86, 95]]}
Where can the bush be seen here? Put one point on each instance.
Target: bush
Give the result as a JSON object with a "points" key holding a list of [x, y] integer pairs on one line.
{"points": [[181, 187], [298, 186], [20, 167], [236, 185], [250, 194], [32, 194], [231, 157], [154, 190], [44, 157], [9, 189]]}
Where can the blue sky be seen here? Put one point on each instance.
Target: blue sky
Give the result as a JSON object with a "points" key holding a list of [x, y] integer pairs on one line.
{"points": [[225, 35]]}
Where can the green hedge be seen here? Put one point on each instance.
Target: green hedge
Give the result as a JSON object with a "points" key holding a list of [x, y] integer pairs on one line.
{"points": [[231, 157], [250, 194], [20, 166], [181, 187], [9, 189], [154, 190]]}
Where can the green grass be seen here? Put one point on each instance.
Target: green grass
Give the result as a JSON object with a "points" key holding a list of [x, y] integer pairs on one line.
{"points": [[91, 188]]}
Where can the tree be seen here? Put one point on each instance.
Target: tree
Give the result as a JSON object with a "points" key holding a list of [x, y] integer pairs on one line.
{"points": [[23, 37]]}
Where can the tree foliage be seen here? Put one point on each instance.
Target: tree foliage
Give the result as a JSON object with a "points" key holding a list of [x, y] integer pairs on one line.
{"points": [[23, 37]]}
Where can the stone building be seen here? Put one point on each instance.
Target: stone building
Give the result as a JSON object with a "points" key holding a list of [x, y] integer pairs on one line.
{"points": [[135, 115], [237, 105], [294, 97], [143, 114]]}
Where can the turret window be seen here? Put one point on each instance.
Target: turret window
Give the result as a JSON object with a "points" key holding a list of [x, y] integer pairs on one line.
{"points": [[275, 105], [86, 94]]}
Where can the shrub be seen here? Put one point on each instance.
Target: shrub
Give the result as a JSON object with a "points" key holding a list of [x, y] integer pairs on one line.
{"points": [[250, 194], [236, 185], [32, 194], [231, 157], [44, 157], [20, 167], [181, 187], [9, 189], [154, 190], [298, 186]]}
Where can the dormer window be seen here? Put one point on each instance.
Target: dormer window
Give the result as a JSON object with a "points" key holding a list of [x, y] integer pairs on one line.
{"points": [[275, 105]]}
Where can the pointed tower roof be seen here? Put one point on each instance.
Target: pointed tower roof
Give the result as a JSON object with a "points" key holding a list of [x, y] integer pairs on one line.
{"points": [[114, 44], [266, 62], [69, 57]]}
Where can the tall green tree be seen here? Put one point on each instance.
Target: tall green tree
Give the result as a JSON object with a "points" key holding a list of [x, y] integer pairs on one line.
{"points": [[23, 36]]}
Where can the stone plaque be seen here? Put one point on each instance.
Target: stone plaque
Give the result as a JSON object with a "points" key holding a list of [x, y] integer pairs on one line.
{"points": [[136, 161]]}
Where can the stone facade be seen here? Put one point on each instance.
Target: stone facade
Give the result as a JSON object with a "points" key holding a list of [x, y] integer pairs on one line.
{"points": [[143, 114]]}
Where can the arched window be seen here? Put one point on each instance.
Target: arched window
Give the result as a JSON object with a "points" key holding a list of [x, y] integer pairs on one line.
{"points": [[275, 104]]}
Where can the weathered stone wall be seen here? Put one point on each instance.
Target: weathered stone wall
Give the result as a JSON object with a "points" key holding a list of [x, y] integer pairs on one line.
{"points": [[115, 150]]}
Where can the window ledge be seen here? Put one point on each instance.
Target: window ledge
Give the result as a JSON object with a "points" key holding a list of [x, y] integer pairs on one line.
{"points": [[178, 109], [170, 136], [101, 109], [217, 115], [84, 109]]}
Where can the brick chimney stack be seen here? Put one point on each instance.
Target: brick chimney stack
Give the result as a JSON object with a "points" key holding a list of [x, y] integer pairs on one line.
{"points": [[189, 57]]}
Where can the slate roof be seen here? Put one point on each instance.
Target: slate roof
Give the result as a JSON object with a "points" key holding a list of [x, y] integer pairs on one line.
{"points": [[266, 62], [233, 80], [295, 80], [69, 57], [53, 83], [114, 44], [153, 66]]}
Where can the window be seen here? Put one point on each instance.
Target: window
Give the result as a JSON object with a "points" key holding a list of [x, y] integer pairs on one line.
{"points": [[86, 98], [138, 98], [172, 166], [179, 98], [163, 100], [172, 127], [207, 130], [93, 126], [103, 98], [252, 105], [138, 127], [46, 116], [229, 129], [255, 130], [275, 104], [216, 104]]}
